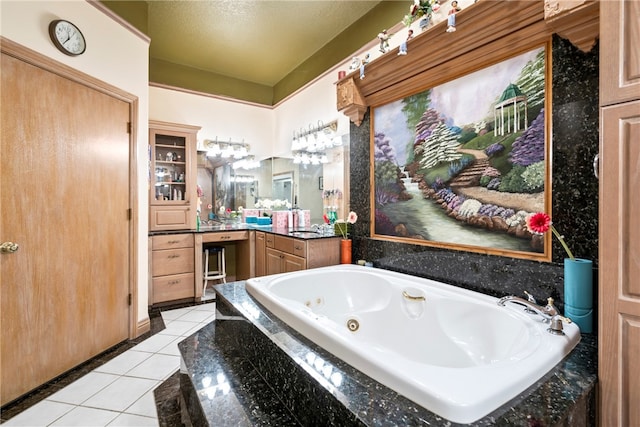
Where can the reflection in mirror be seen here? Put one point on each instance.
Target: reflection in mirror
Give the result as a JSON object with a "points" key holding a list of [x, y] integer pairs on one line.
{"points": [[317, 188], [283, 187]]}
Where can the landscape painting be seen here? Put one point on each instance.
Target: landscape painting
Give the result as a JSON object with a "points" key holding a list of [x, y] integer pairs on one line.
{"points": [[461, 165]]}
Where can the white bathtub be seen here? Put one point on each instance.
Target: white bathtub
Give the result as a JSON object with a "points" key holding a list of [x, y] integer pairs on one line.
{"points": [[455, 352]]}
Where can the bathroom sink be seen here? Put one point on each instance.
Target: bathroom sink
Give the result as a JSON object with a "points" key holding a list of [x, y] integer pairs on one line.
{"points": [[305, 234]]}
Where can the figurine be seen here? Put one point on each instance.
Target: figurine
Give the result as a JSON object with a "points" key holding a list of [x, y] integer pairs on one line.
{"points": [[355, 64], [402, 50], [451, 19], [384, 41], [364, 62]]}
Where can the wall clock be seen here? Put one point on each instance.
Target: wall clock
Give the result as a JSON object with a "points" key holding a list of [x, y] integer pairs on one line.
{"points": [[67, 37]]}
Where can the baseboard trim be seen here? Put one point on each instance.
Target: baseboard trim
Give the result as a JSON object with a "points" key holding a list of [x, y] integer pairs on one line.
{"points": [[143, 327]]}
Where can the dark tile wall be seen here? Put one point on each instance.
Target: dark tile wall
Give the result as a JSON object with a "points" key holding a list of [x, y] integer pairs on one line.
{"points": [[574, 197]]}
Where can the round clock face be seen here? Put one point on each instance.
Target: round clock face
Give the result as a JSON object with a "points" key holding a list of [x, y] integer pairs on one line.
{"points": [[67, 37]]}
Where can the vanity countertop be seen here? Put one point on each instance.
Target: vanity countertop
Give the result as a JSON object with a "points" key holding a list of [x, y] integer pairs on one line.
{"points": [[303, 233]]}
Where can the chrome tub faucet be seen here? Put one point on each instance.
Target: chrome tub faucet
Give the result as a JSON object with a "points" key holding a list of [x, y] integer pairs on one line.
{"points": [[549, 312]]}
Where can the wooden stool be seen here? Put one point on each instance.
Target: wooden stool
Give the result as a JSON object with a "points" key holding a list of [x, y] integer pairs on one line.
{"points": [[220, 273]]}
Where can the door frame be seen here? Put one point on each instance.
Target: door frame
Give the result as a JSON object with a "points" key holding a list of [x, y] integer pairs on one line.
{"points": [[43, 62]]}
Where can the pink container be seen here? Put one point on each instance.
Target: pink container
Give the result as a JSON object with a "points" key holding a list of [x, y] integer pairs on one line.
{"points": [[279, 219], [249, 212]]}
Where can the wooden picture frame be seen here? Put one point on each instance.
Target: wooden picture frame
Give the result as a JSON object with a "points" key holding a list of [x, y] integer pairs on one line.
{"points": [[460, 165]]}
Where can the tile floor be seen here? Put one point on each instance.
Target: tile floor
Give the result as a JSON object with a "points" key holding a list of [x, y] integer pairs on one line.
{"points": [[120, 391]]}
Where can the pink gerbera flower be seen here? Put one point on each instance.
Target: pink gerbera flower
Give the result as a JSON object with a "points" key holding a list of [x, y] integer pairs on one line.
{"points": [[540, 223]]}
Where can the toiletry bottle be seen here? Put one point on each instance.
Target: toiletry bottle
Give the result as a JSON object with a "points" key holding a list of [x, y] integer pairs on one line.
{"points": [[290, 219], [301, 219]]}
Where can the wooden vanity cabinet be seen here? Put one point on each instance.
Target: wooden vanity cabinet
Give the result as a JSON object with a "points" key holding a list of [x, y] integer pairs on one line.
{"points": [[172, 268], [172, 189], [285, 254]]}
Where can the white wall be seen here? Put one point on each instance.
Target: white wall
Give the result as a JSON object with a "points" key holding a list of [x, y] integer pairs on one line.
{"points": [[219, 117], [114, 55]]}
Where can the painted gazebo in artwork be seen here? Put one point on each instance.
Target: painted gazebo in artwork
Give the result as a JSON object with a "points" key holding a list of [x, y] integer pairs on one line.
{"points": [[511, 102]]}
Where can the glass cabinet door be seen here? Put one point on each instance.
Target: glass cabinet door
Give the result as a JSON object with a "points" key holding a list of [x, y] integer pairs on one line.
{"points": [[170, 168]]}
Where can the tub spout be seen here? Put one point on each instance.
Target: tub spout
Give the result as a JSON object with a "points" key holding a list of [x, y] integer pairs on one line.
{"points": [[547, 312]]}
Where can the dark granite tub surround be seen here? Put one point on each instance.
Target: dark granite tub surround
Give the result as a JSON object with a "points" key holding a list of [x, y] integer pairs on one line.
{"points": [[277, 377]]}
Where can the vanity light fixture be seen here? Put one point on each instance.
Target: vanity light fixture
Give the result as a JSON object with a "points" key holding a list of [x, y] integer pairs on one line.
{"points": [[308, 146], [243, 178], [226, 150], [247, 163]]}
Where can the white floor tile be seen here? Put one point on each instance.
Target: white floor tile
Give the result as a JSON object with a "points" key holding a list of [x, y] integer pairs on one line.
{"points": [[206, 307], [124, 362], [86, 417], [175, 314], [198, 316], [121, 394], [145, 406], [172, 347], [83, 388], [177, 327], [157, 367], [124, 420], [40, 414], [155, 343]]}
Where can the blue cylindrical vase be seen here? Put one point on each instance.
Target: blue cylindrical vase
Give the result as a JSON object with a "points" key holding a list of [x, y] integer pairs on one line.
{"points": [[578, 292]]}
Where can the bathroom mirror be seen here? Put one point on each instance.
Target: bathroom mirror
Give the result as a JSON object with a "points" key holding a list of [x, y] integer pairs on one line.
{"points": [[314, 187]]}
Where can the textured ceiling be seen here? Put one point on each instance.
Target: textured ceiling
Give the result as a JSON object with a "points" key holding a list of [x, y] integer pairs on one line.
{"points": [[260, 41]]}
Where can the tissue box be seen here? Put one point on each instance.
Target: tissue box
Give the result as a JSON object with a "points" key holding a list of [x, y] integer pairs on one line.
{"points": [[249, 212], [279, 219]]}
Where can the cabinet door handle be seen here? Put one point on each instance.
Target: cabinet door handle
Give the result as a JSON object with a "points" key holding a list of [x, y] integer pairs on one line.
{"points": [[173, 242], [298, 247], [174, 282], [174, 256]]}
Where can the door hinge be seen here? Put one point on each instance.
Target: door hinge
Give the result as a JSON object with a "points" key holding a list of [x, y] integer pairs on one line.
{"points": [[130, 299], [129, 214], [128, 127]]}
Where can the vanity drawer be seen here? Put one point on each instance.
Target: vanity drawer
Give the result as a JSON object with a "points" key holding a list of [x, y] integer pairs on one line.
{"points": [[299, 248], [171, 241], [172, 261], [270, 240], [177, 286], [224, 236], [284, 244]]}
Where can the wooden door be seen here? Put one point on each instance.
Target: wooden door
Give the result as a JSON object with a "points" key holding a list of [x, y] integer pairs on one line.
{"points": [[619, 266], [64, 159], [273, 261], [293, 263], [619, 215]]}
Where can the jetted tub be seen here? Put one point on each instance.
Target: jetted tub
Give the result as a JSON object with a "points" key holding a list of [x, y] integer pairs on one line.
{"points": [[453, 351]]}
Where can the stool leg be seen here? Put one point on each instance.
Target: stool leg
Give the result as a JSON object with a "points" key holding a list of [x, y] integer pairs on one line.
{"points": [[206, 270], [222, 266]]}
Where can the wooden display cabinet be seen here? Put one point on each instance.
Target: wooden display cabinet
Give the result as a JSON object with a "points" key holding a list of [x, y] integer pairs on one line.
{"points": [[172, 189]]}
